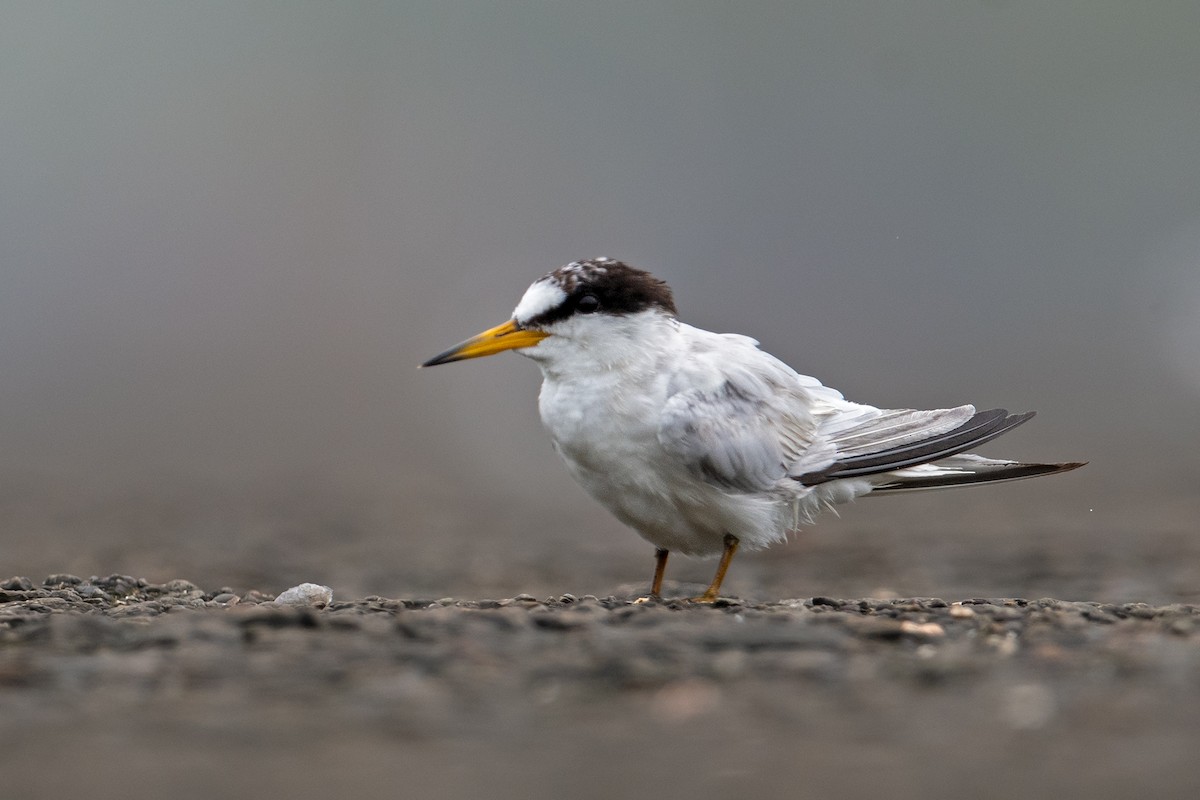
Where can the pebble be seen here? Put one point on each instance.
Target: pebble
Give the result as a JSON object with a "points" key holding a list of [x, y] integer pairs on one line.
{"points": [[62, 580], [17, 584], [924, 630], [306, 594]]}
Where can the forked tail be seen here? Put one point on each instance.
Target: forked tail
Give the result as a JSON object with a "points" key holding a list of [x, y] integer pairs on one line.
{"points": [[964, 470]]}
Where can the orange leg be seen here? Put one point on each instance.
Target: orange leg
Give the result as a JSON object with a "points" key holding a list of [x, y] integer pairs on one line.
{"points": [[710, 594], [660, 568]]}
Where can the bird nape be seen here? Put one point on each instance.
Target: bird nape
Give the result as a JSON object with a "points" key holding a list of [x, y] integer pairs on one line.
{"points": [[700, 441]]}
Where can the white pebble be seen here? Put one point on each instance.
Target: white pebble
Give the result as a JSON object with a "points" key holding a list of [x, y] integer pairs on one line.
{"points": [[959, 611], [926, 630], [306, 594]]}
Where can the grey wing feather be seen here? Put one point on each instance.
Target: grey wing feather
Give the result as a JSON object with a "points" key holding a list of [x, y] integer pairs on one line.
{"points": [[849, 430], [964, 470], [870, 430], [737, 424], [746, 423], [934, 443]]}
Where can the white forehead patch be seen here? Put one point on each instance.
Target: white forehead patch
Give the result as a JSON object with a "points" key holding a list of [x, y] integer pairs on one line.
{"points": [[539, 298]]}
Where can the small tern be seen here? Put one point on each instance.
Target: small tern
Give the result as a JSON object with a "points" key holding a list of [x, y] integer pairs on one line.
{"points": [[700, 441]]}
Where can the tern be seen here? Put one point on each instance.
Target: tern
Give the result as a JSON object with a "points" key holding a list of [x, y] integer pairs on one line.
{"points": [[700, 441]]}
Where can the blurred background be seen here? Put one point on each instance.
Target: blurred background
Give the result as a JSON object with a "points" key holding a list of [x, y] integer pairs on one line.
{"points": [[229, 231]]}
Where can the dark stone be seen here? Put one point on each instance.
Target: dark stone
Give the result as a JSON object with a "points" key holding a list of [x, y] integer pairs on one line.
{"points": [[62, 580], [17, 583]]}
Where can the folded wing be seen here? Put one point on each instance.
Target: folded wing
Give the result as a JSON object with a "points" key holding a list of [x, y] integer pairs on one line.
{"points": [[743, 420], [924, 437], [738, 417]]}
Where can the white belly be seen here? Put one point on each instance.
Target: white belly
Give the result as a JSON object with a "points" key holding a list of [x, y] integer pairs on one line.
{"points": [[608, 437]]}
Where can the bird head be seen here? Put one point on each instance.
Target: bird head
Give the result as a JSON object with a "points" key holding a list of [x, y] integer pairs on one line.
{"points": [[581, 306]]}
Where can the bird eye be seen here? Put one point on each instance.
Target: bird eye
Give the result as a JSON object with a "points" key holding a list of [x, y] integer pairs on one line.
{"points": [[587, 304]]}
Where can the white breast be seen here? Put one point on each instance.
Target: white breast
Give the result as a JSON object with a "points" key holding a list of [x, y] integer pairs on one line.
{"points": [[604, 420]]}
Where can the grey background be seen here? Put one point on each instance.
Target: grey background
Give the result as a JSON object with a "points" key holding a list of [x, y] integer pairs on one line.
{"points": [[229, 231]]}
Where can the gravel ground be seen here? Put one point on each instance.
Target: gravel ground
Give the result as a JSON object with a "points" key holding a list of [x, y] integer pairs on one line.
{"points": [[115, 686]]}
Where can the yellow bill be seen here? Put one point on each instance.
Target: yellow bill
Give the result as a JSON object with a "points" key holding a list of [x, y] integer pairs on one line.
{"points": [[508, 336]]}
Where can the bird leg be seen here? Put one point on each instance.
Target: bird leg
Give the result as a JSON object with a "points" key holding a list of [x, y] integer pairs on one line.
{"points": [[660, 567], [710, 594]]}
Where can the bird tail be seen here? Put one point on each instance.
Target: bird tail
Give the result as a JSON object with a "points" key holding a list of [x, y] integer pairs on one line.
{"points": [[963, 469]]}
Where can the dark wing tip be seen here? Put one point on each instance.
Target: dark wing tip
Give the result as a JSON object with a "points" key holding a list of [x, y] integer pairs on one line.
{"points": [[982, 427], [995, 474]]}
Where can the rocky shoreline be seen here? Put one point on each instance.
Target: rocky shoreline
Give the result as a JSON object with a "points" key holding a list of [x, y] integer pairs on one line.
{"points": [[610, 671], [580, 634]]}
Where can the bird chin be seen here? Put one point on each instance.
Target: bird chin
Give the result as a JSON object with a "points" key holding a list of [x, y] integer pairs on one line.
{"points": [[533, 354]]}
